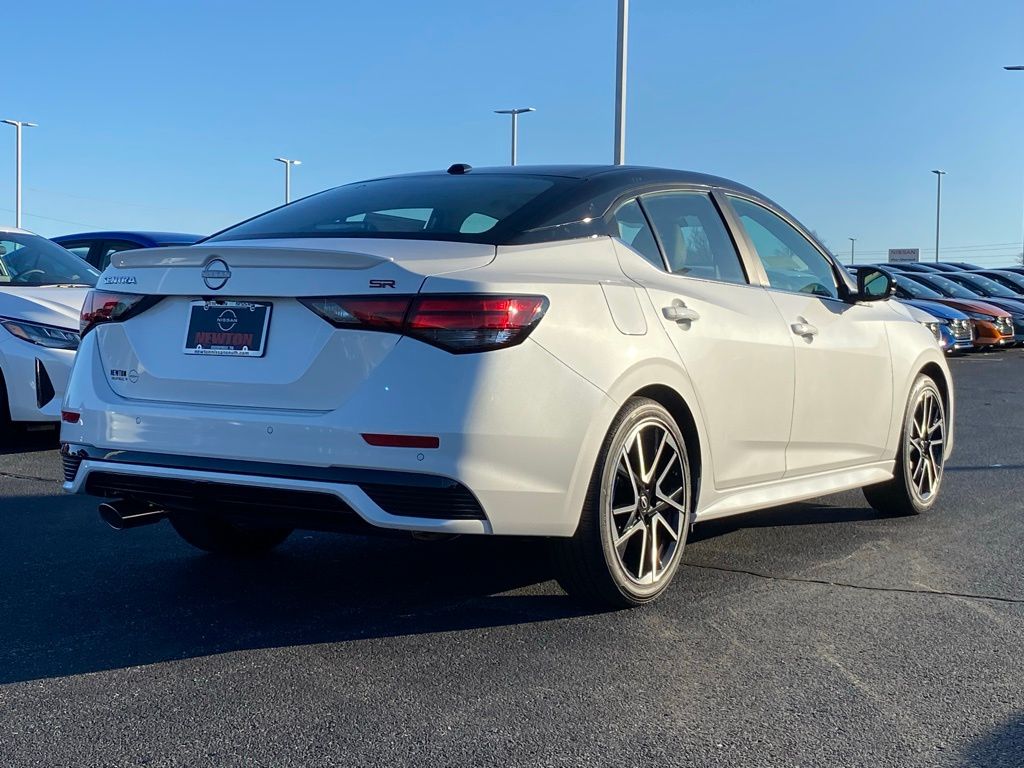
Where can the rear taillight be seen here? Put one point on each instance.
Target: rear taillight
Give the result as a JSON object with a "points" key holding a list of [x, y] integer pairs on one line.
{"points": [[474, 323], [454, 322], [110, 307]]}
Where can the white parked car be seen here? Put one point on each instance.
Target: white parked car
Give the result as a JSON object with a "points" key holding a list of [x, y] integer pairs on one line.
{"points": [[42, 288], [598, 355]]}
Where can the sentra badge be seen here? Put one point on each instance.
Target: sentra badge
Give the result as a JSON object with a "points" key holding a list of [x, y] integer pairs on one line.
{"points": [[120, 280]]}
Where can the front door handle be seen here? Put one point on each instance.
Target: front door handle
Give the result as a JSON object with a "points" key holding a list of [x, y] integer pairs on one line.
{"points": [[678, 312], [802, 328]]}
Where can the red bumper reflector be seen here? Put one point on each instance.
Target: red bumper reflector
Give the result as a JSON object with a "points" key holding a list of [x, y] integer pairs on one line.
{"points": [[402, 441], [70, 417]]}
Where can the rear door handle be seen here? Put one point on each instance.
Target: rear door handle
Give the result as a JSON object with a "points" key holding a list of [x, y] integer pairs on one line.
{"points": [[678, 312], [802, 328]]}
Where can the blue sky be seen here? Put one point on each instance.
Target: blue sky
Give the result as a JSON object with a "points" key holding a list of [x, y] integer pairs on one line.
{"points": [[168, 115]]}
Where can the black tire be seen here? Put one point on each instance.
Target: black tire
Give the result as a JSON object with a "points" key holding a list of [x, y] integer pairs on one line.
{"points": [[215, 534], [903, 495], [589, 565]]}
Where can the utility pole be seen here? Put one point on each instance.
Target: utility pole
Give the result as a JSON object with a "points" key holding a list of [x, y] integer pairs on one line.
{"points": [[1017, 68], [620, 83], [938, 208], [852, 241], [18, 125]]}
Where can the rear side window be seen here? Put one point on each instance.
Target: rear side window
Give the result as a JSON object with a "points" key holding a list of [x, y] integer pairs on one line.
{"points": [[442, 207], [79, 247], [694, 237], [635, 232]]}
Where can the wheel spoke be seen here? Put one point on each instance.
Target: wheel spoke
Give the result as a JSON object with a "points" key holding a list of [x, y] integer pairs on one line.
{"points": [[659, 518], [654, 551], [657, 457], [629, 473], [667, 469], [920, 420], [917, 471], [626, 535], [639, 442], [669, 501], [643, 552]]}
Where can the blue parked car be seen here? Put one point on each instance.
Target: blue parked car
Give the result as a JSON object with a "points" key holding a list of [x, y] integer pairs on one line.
{"points": [[954, 331], [952, 328], [97, 247]]}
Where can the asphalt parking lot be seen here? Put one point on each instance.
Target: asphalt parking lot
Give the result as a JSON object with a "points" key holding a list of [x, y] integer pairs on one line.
{"points": [[819, 634]]}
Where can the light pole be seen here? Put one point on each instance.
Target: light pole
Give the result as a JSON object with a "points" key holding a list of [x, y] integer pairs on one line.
{"points": [[515, 126], [938, 208], [18, 125], [1017, 68], [852, 241], [620, 83], [288, 176]]}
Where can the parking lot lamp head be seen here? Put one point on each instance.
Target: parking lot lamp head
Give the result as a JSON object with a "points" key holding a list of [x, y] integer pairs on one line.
{"points": [[515, 112], [288, 176], [18, 125]]}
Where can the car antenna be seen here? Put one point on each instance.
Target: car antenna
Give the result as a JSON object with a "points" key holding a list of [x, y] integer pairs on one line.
{"points": [[458, 169]]}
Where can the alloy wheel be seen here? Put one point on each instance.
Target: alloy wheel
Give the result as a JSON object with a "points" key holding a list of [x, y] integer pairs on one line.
{"points": [[647, 503], [925, 448]]}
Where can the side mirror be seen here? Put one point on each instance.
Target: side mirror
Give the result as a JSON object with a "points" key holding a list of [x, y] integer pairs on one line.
{"points": [[874, 285]]}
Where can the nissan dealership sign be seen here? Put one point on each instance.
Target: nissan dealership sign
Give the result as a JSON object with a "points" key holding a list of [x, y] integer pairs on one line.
{"points": [[904, 254]]}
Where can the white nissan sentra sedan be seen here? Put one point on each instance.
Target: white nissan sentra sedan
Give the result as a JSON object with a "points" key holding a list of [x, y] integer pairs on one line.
{"points": [[602, 356], [42, 288]]}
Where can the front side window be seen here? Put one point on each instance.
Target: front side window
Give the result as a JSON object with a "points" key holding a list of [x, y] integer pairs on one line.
{"points": [[789, 259], [694, 237], [635, 232]]}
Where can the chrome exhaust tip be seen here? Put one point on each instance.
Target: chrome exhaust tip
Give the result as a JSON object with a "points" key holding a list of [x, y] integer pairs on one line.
{"points": [[121, 514]]}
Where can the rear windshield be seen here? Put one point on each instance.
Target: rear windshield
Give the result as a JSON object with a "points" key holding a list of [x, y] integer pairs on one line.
{"points": [[33, 260], [437, 207]]}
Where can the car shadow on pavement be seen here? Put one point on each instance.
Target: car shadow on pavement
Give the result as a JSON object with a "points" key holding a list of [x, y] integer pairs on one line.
{"points": [[77, 597], [804, 513], [29, 441], [1003, 747]]}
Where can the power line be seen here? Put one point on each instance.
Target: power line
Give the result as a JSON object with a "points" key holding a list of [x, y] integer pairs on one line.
{"points": [[124, 202], [51, 218]]}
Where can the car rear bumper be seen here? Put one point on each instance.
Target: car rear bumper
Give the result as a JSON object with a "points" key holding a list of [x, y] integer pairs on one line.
{"points": [[522, 461], [35, 377], [399, 500]]}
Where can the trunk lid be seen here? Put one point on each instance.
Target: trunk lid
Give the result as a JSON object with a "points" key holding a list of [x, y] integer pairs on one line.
{"points": [[307, 364]]}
